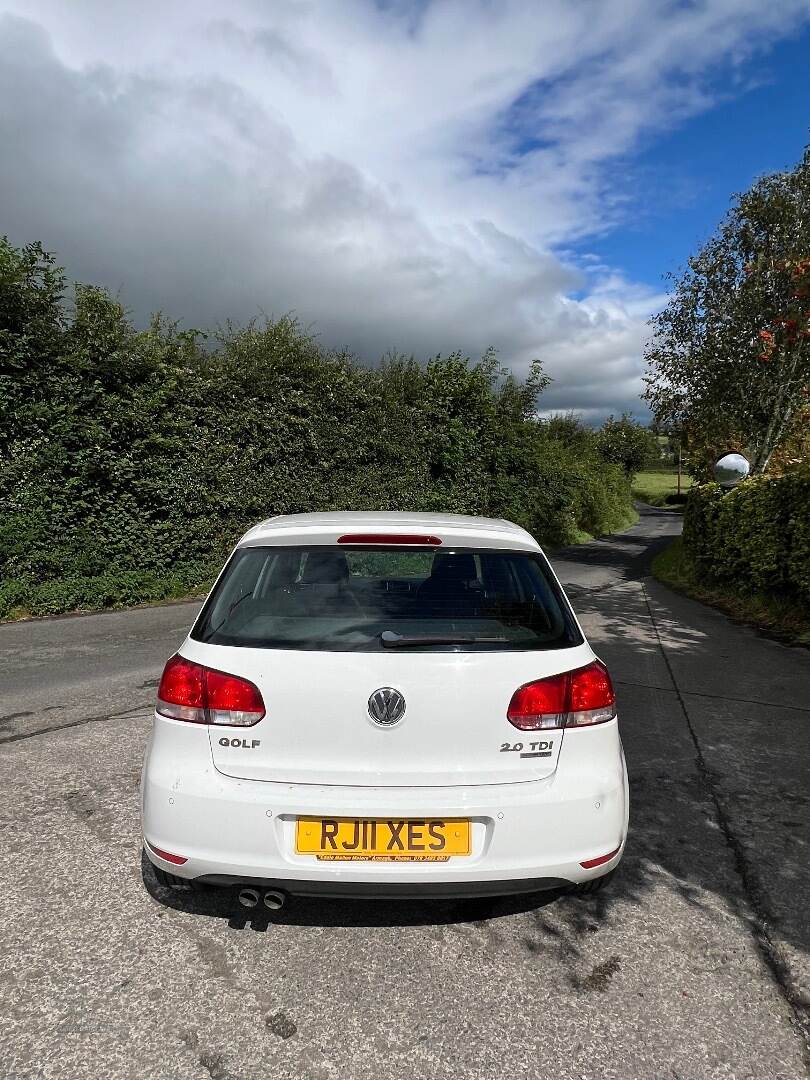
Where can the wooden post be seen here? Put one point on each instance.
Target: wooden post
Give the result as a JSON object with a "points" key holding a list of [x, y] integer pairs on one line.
{"points": [[679, 465]]}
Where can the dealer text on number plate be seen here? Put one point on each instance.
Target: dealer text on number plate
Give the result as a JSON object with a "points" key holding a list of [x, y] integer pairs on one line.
{"points": [[382, 839]]}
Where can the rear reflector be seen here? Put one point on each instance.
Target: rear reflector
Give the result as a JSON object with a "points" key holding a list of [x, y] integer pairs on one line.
{"points": [[572, 699], [589, 864], [390, 538], [178, 860], [201, 695]]}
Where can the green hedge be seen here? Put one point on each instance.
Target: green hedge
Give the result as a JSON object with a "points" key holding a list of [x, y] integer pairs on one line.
{"points": [[124, 589], [756, 536], [131, 460]]}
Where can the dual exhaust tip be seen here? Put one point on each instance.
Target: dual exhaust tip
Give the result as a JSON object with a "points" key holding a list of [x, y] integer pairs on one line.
{"points": [[273, 899]]}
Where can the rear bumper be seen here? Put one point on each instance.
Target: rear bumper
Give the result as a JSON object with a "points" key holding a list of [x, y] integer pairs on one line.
{"points": [[526, 836], [381, 890]]}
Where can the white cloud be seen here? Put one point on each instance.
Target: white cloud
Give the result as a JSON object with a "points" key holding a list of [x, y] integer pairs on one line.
{"points": [[403, 174]]}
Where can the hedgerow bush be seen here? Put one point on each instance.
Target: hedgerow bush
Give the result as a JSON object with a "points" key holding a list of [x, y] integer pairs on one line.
{"points": [[756, 536], [131, 460], [126, 588]]}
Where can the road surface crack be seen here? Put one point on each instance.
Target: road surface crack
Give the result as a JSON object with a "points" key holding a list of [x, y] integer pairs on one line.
{"points": [[97, 719], [713, 697]]}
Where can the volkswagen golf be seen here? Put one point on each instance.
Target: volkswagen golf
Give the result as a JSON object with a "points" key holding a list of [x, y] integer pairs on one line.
{"points": [[385, 705]]}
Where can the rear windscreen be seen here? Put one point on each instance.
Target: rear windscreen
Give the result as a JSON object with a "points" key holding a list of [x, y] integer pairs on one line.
{"points": [[369, 599]]}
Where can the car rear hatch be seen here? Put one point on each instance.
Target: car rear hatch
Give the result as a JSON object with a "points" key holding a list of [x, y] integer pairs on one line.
{"points": [[454, 631], [318, 729]]}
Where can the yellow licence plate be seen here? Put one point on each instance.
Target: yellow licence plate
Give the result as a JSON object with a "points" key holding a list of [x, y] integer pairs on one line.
{"points": [[382, 839]]}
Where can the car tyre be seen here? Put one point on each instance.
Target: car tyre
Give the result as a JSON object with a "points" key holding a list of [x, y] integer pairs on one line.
{"points": [[585, 888]]}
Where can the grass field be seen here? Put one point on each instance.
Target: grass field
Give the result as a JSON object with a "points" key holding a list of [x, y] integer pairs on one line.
{"points": [[783, 617], [653, 485]]}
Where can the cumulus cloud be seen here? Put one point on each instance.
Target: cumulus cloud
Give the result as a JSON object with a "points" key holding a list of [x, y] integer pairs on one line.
{"points": [[403, 174]]}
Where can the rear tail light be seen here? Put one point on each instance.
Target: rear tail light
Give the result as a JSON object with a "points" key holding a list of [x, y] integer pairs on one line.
{"points": [[200, 695], [573, 699]]}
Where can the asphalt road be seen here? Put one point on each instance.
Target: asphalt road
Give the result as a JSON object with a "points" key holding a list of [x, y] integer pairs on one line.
{"points": [[695, 964]]}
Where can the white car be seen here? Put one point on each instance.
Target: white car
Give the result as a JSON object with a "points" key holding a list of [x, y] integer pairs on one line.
{"points": [[385, 705]]}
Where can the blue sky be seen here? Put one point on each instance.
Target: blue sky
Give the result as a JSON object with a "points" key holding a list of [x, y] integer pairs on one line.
{"points": [[683, 180], [411, 175]]}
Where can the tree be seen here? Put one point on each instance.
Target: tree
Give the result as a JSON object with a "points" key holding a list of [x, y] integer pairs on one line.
{"points": [[730, 357], [568, 429], [625, 442], [32, 322]]}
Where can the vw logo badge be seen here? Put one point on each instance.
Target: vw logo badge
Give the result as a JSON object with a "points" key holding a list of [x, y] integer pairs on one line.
{"points": [[386, 706]]}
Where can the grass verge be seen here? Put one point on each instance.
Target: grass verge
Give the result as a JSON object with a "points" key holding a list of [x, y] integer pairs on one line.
{"points": [[656, 486], [783, 617], [621, 523]]}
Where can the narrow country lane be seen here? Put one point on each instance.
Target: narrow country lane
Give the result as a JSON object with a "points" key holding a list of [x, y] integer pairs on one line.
{"points": [[695, 964]]}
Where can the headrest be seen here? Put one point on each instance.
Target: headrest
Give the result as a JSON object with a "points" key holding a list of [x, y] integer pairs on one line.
{"points": [[450, 567], [325, 568]]}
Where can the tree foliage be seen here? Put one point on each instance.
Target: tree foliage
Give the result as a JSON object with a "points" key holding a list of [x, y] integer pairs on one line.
{"points": [[730, 358], [131, 460], [623, 441]]}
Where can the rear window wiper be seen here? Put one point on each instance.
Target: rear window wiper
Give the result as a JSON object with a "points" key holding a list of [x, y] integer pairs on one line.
{"points": [[404, 641], [226, 617]]}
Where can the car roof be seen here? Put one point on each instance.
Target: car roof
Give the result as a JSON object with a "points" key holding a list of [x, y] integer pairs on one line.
{"points": [[460, 529]]}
